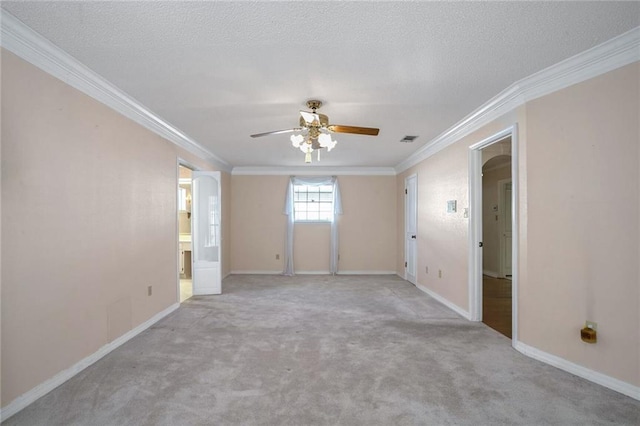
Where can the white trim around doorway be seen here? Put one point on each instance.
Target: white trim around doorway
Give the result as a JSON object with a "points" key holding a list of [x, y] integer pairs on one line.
{"points": [[475, 225]]}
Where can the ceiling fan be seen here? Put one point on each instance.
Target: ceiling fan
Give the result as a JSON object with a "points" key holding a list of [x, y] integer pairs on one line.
{"points": [[315, 131]]}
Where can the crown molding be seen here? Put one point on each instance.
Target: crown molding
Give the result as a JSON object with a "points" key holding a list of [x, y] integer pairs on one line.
{"points": [[313, 171], [37, 50], [610, 55], [34, 48]]}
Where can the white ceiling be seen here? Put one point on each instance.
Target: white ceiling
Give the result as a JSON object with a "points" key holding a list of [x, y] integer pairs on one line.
{"points": [[220, 71]]}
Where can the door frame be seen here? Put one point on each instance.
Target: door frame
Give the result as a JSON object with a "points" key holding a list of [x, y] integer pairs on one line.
{"points": [[404, 235], [475, 225]]}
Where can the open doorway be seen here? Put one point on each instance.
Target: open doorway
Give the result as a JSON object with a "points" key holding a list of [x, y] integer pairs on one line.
{"points": [[496, 237], [493, 247], [185, 288]]}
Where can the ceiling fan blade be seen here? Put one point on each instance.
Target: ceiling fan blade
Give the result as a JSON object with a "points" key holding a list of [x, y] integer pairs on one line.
{"points": [[338, 128], [276, 132]]}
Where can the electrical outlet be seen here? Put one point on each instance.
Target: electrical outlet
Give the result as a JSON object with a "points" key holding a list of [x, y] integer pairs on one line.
{"points": [[149, 290], [589, 334], [439, 273], [277, 257]]}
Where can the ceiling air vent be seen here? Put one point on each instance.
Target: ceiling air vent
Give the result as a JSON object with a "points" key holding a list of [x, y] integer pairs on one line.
{"points": [[408, 139]]}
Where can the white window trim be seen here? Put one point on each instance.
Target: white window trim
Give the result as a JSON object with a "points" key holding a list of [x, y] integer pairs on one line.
{"points": [[329, 212]]}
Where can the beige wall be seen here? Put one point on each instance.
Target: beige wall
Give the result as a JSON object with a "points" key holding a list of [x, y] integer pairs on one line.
{"points": [[89, 221], [443, 237], [367, 227], [226, 201], [578, 211], [400, 212], [1, 380], [367, 231], [583, 225], [257, 223]]}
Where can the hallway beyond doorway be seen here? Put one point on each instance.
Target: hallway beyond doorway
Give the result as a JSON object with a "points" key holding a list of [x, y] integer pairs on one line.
{"points": [[496, 304]]}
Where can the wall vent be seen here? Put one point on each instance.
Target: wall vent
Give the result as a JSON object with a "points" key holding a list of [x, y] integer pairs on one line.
{"points": [[408, 139]]}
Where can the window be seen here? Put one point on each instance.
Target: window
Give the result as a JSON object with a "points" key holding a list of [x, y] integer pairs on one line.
{"points": [[313, 203], [182, 199]]}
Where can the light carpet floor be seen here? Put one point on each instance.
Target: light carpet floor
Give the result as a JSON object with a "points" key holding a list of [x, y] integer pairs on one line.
{"points": [[323, 350]]}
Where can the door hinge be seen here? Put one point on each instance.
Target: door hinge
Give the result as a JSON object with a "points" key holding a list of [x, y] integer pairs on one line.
{"points": [[405, 191], [405, 264]]}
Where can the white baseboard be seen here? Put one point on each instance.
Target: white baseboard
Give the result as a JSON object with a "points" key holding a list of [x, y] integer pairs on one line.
{"points": [[367, 273], [345, 273], [47, 386], [617, 385], [262, 272], [490, 273], [602, 379], [457, 309], [279, 272]]}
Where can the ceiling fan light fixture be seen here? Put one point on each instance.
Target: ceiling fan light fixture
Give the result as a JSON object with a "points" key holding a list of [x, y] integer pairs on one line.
{"points": [[315, 132], [326, 141], [296, 140]]}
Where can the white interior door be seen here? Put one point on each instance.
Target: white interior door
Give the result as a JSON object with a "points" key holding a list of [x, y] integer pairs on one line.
{"points": [[206, 239], [411, 228], [505, 228]]}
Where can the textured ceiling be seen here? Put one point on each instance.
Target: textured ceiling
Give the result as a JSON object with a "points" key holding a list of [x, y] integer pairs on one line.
{"points": [[220, 71]]}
